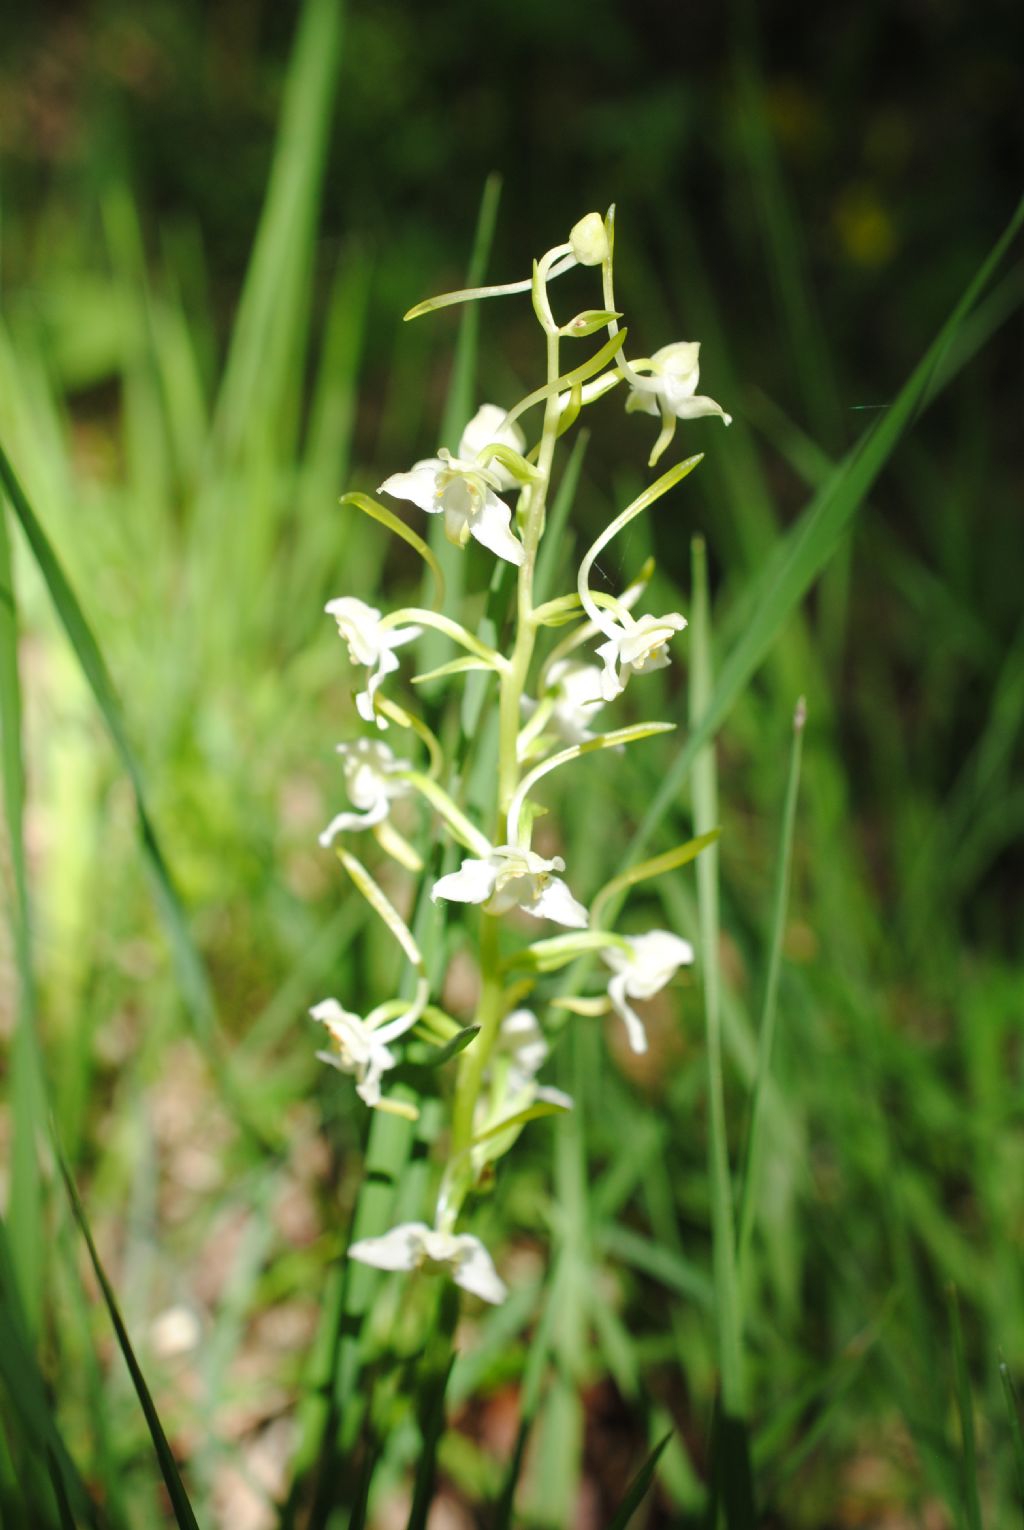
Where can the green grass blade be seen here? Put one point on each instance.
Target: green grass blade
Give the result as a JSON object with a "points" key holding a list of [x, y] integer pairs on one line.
{"points": [[965, 1409], [268, 335], [705, 814], [431, 1407], [461, 388], [190, 970], [808, 546], [29, 1392], [184, 1517], [638, 1488], [27, 1092], [766, 1033], [731, 1464], [553, 548], [781, 233], [459, 406], [1016, 1435], [64, 1514]]}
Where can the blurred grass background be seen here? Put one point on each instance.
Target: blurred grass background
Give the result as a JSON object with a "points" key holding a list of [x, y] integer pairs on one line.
{"points": [[213, 218]]}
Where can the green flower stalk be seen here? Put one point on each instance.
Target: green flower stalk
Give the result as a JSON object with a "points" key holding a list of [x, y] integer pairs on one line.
{"points": [[547, 704]]}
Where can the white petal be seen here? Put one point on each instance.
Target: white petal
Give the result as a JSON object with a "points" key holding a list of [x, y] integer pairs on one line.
{"points": [[611, 685], [419, 486], [399, 1249], [358, 625], [394, 637], [335, 1060], [678, 361], [556, 902], [387, 665], [522, 1039], [694, 408], [486, 428], [475, 1272], [551, 1096], [634, 1025], [490, 527], [368, 1088], [364, 706], [344, 823], [641, 402], [472, 883]]}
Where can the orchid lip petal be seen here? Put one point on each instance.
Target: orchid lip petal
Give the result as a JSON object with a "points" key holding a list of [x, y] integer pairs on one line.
{"points": [[472, 883], [399, 1249], [491, 528], [419, 486], [635, 1033], [556, 902], [344, 823]]}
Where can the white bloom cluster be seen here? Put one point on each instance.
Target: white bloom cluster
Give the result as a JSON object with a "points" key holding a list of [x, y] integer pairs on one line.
{"points": [[501, 1056]]}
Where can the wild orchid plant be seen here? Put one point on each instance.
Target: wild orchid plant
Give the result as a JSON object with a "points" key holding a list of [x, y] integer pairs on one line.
{"points": [[548, 705]]}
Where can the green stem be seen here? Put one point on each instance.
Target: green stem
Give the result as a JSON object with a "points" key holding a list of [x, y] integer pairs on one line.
{"points": [[513, 685]]}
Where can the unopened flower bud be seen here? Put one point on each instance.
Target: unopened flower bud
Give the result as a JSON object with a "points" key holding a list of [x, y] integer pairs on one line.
{"points": [[589, 240]]}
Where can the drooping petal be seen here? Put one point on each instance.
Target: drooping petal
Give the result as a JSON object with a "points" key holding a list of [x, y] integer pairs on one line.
{"points": [[399, 1249], [552, 1096], [472, 883], [368, 1087], [386, 665], [396, 636], [419, 485], [611, 685], [556, 902], [346, 823], [475, 1271], [491, 528], [635, 1032], [693, 408]]}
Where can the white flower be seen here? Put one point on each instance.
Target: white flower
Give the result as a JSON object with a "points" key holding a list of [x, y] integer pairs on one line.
{"points": [[413, 1245], [370, 779], [635, 649], [520, 1048], [359, 1047], [488, 428], [463, 491], [513, 878], [519, 1053], [578, 694], [670, 389], [370, 644], [639, 973]]}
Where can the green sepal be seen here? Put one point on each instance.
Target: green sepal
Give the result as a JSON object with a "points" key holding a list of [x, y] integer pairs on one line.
{"points": [[588, 323]]}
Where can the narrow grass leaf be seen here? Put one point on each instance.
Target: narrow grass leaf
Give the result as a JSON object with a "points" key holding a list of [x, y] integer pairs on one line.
{"points": [[29, 1391], [638, 1488], [27, 1092], [805, 550], [1016, 1436], [705, 812], [431, 1430], [766, 1033], [184, 1517], [965, 1409]]}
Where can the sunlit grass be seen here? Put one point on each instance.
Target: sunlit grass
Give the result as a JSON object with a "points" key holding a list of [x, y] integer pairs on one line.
{"points": [[172, 920]]}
